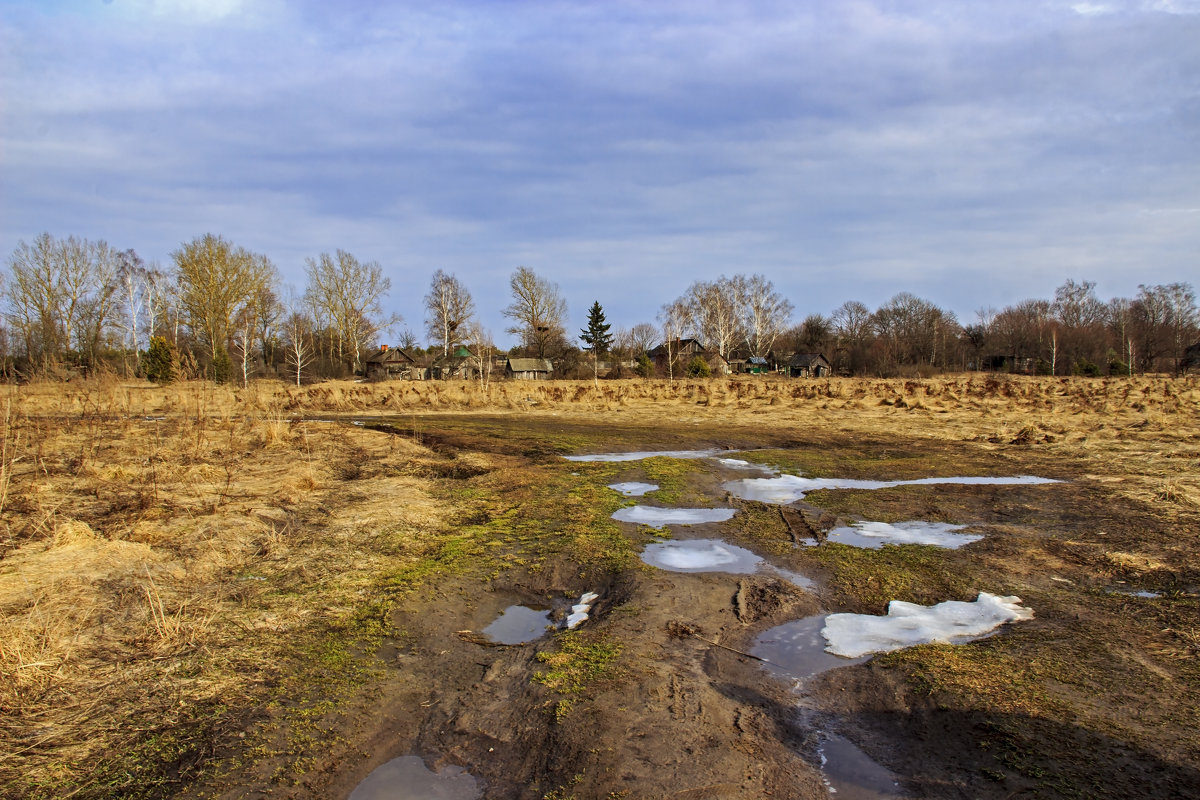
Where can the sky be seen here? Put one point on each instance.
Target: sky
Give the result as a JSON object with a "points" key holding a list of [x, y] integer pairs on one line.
{"points": [[973, 153]]}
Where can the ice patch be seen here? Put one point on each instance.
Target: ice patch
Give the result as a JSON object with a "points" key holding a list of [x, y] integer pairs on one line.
{"points": [[407, 778], [874, 535], [580, 611], [700, 555], [608, 457], [653, 515], [790, 488], [909, 624], [633, 488]]}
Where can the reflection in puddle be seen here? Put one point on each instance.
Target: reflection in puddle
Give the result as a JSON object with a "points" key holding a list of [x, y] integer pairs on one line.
{"points": [[852, 775], [909, 624], [700, 555], [407, 778], [797, 649], [713, 555], [518, 625], [874, 535], [608, 457], [633, 488], [657, 517], [790, 488]]}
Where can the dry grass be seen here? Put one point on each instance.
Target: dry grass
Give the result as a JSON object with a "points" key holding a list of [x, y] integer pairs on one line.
{"points": [[162, 548]]}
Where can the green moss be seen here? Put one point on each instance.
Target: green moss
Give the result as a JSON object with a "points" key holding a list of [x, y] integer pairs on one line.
{"points": [[581, 659]]}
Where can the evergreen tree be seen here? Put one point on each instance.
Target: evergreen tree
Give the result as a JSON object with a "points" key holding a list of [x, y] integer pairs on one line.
{"points": [[595, 336]]}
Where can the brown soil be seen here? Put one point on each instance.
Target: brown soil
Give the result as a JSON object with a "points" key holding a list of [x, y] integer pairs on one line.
{"points": [[1098, 696]]}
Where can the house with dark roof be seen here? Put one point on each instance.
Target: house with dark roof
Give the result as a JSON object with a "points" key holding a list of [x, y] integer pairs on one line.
{"points": [[682, 351], [392, 364], [809, 365]]}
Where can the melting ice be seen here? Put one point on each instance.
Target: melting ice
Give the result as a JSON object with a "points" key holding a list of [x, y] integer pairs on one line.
{"points": [[657, 517], [407, 778], [909, 624], [633, 488], [713, 555], [874, 535], [700, 555], [790, 488], [580, 611]]}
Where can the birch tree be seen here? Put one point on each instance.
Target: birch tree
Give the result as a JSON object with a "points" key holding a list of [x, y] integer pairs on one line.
{"points": [[349, 294], [448, 311], [765, 313]]}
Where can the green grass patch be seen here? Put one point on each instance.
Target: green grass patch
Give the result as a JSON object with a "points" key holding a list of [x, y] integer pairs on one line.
{"points": [[867, 580], [581, 659]]}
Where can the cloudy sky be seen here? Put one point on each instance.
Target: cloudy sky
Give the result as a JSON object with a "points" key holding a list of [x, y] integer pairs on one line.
{"points": [[973, 153]]}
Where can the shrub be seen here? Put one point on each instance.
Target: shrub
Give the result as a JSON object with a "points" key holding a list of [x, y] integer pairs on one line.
{"points": [[698, 368], [158, 363], [645, 367], [1086, 368]]}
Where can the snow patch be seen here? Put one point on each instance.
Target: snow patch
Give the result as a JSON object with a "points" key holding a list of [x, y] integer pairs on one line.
{"points": [[657, 517], [580, 611], [786, 489], [874, 535], [909, 624], [700, 555]]}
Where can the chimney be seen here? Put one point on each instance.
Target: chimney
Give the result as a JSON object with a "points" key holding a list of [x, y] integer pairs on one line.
{"points": [[383, 348]]}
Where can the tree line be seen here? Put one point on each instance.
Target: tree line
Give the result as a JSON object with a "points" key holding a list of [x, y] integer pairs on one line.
{"points": [[220, 311]]}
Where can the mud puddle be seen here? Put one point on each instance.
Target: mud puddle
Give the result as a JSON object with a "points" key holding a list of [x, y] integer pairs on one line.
{"points": [[518, 625], [634, 488], [407, 778], [714, 555], [657, 517], [850, 773]]}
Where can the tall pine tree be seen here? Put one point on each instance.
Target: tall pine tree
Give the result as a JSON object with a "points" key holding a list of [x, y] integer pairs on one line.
{"points": [[596, 337]]}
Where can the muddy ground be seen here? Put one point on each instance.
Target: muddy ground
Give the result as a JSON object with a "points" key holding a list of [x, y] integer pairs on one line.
{"points": [[1096, 697]]}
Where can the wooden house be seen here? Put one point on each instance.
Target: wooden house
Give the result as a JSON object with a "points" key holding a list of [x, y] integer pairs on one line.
{"points": [[683, 351], [528, 369], [391, 364], [460, 363], [809, 365]]}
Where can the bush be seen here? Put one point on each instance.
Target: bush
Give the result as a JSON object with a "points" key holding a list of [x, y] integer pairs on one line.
{"points": [[1086, 368], [645, 367], [698, 368], [221, 367], [158, 363]]}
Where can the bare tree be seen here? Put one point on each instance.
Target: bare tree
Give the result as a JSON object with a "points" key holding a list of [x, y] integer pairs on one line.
{"points": [[715, 309], [537, 311], [448, 311], [641, 338], [1165, 318], [676, 319], [479, 339], [348, 294], [765, 313], [217, 281]]}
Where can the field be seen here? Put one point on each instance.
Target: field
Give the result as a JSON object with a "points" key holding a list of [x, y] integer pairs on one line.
{"points": [[208, 591]]}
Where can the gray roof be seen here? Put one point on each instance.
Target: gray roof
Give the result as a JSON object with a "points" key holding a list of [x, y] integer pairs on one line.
{"points": [[530, 365], [808, 360]]}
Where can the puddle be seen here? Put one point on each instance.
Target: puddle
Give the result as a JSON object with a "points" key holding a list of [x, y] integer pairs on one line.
{"points": [[633, 488], [658, 517], [518, 625], [1142, 593], [874, 535], [701, 555], [713, 555], [737, 463], [407, 778], [796, 650], [790, 488], [909, 624], [646, 454], [850, 774]]}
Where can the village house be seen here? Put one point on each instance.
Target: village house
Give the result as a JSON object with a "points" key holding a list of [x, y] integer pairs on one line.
{"points": [[391, 364], [528, 369], [683, 351], [460, 363], [809, 365]]}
